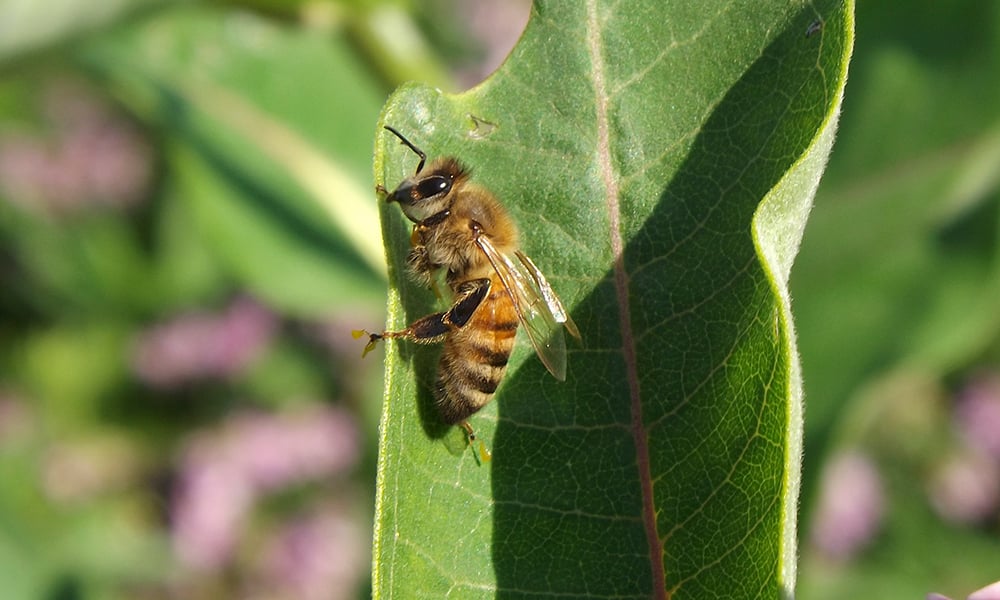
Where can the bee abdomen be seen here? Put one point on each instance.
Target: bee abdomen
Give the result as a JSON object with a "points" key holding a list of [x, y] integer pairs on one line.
{"points": [[468, 376], [490, 356]]}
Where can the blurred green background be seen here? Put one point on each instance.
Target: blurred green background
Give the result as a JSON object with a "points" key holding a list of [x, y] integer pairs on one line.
{"points": [[188, 235]]}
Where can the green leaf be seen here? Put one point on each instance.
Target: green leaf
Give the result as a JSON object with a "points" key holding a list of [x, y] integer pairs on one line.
{"points": [[660, 161], [276, 175], [40, 24]]}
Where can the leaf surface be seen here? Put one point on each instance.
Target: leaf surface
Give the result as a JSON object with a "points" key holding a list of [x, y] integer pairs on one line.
{"points": [[660, 160], [268, 164]]}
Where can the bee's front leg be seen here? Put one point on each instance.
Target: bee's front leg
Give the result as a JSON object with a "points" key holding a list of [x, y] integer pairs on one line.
{"points": [[433, 328], [420, 267]]}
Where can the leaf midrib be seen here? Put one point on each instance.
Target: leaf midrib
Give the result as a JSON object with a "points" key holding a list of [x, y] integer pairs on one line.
{"points": [[612, 197]]}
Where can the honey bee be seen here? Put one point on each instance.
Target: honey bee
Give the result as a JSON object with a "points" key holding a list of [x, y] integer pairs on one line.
{"points": [[461, 228]]}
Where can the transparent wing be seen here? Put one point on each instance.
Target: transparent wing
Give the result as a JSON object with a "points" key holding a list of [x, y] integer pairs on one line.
{"points": [[538, 308]]}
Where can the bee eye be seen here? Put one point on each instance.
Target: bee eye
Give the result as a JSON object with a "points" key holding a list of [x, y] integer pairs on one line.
{"points": [[431, 186]]}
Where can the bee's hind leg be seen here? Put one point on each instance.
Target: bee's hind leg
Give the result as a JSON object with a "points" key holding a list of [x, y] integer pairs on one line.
{"points": [[433, 328], [484, 453], [427, 330]]}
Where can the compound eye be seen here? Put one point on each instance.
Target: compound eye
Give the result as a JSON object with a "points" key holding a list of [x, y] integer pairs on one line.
{"points": [[433, 185]]}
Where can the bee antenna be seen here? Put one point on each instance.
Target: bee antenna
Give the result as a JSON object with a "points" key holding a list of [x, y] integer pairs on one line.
{"points": [[409, 144]]}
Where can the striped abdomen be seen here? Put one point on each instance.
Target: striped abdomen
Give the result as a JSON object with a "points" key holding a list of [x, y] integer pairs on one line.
{"points": [[475, 356]]}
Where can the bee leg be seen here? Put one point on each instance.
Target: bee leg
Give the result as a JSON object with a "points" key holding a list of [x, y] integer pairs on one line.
{"points": [[433, 328], [420, 267], [471, 295], [484, 454], [372, 339], [427, 330]]}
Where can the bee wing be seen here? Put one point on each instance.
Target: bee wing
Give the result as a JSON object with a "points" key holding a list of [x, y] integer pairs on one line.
{"points": [[548, 294], [538, 308]]}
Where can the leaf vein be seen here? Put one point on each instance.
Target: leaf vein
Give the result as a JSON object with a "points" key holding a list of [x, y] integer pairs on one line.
{"points": [[612, 194]]}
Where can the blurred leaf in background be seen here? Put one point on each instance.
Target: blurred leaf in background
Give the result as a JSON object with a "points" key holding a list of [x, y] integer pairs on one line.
{"points": [[897, 305], [187, 235]]}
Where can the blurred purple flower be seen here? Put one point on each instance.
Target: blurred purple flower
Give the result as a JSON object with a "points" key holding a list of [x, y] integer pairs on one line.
{"points": [[94, 157], [320, 557], [850, 508], [496, 26], [275, 451], [209, 505], [200, 345], [966, 488], [978, 414], [223, 472], [990, 592]]}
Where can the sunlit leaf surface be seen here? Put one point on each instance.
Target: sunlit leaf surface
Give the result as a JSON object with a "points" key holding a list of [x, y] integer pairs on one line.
{"points": [[660, 160]]}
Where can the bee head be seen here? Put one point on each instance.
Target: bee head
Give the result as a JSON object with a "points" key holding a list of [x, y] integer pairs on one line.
{"points": [[423, 196], [428, 192]]}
